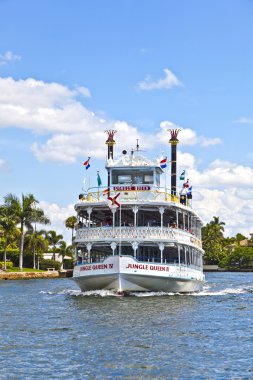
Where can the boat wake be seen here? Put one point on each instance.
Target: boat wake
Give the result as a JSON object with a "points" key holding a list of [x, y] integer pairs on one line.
{"points": [[79, 293], [206, 292]]}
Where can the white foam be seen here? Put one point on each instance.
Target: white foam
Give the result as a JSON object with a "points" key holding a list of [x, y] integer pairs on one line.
{"points": [[206, 292], [223, 292]]}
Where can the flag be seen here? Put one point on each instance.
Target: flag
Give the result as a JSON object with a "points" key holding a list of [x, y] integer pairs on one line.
{"points": [[182, 176], [106, 191], [114, 201], [87, 163], [189, 193], [186, 184], [163, 163], [99, 179]]}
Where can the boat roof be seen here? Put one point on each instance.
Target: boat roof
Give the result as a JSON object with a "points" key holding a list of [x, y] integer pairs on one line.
{"points": [[135, 159]]}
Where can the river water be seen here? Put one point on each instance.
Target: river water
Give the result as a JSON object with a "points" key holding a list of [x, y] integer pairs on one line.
{"points": [[50, 330]]}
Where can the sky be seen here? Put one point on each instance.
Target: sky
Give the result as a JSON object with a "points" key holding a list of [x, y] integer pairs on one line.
{"points": [[69, 70]]}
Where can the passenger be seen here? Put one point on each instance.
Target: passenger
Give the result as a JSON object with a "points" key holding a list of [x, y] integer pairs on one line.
{"points": [[183, 195]]}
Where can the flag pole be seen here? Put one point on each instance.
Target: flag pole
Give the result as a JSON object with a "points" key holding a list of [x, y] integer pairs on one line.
{"points": [[165, 184], [120, 229]]}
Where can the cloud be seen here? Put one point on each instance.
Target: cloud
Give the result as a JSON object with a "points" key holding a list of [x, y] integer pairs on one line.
{"points": [[57, 216], [237, 213], [84, 91], [2, 164], [73, 131], [222, 189], [166, 83], [7, 57], [244, 120], [187, 136]]}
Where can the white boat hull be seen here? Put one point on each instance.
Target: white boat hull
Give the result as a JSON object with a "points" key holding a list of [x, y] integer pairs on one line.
{"points": [[125, 274]]}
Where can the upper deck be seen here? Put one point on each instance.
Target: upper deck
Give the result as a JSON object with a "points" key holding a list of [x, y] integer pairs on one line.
{"points": [[136, 179]]}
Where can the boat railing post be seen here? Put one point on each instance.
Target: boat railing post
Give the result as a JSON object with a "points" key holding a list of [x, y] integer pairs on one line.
{"points": [[179, 254], [161, 247]]}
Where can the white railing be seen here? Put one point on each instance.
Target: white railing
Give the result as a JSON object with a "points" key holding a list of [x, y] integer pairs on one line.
{"points": [[141, 233]]}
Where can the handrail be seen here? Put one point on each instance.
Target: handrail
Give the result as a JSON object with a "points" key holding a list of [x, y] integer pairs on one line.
{"points": [[142, 233]]}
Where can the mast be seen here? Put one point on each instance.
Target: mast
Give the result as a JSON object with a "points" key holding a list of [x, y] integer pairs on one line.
{"points": [[110, 142], [174, 141]]}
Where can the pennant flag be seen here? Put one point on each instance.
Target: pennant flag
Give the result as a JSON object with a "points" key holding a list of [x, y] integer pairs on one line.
{"points": [[182, 176], [163, 163], [106, 191], [99, 179], [114, 201], [87, 163]]}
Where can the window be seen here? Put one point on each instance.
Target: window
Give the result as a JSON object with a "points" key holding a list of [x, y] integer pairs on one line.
{"points": [[134, 177]]}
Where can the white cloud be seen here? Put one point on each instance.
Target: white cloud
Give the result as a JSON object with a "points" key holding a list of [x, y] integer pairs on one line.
{"points": [[53, 109], [168, 82], [2, 164], [7, 57], [237, 213], [244, 120], [187, 136], [84, 91], [57, 216]]}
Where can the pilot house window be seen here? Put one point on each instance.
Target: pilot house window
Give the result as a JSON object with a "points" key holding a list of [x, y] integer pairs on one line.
{"points": [[134, 177]]}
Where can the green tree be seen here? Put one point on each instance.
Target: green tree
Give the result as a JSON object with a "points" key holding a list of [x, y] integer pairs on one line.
{"points": [[36, 243], [216, 222], [66, 250], [8, 228], [70, 223], [240, 257], [54, 241], [212, 239], [25, 213], [239, 237]]}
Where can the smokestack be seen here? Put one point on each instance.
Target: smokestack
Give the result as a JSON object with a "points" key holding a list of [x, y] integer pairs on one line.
{"points": [[110, 142], [174, 141]]}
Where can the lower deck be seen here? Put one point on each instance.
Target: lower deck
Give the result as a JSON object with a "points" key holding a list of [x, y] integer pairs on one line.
{"points": [[164, 253]]}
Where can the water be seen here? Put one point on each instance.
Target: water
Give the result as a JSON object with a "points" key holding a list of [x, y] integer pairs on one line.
{"points": [[50, 330]]}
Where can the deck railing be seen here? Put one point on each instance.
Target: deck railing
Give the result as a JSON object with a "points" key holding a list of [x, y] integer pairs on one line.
{"points": [[141, 233]]}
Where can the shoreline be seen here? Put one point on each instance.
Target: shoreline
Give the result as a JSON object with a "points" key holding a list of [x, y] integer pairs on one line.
{"points": [[228, 270], [34, 275]]}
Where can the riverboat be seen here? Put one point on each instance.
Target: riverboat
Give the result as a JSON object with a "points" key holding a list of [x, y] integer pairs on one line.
{"points": [[136, 235]]}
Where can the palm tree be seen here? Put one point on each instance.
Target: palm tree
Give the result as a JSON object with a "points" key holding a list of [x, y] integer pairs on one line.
{"points": [[35, 242], [70, 222], [54, 240], [216, 222], [25, 213], [65, 250], [8, 226]]}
